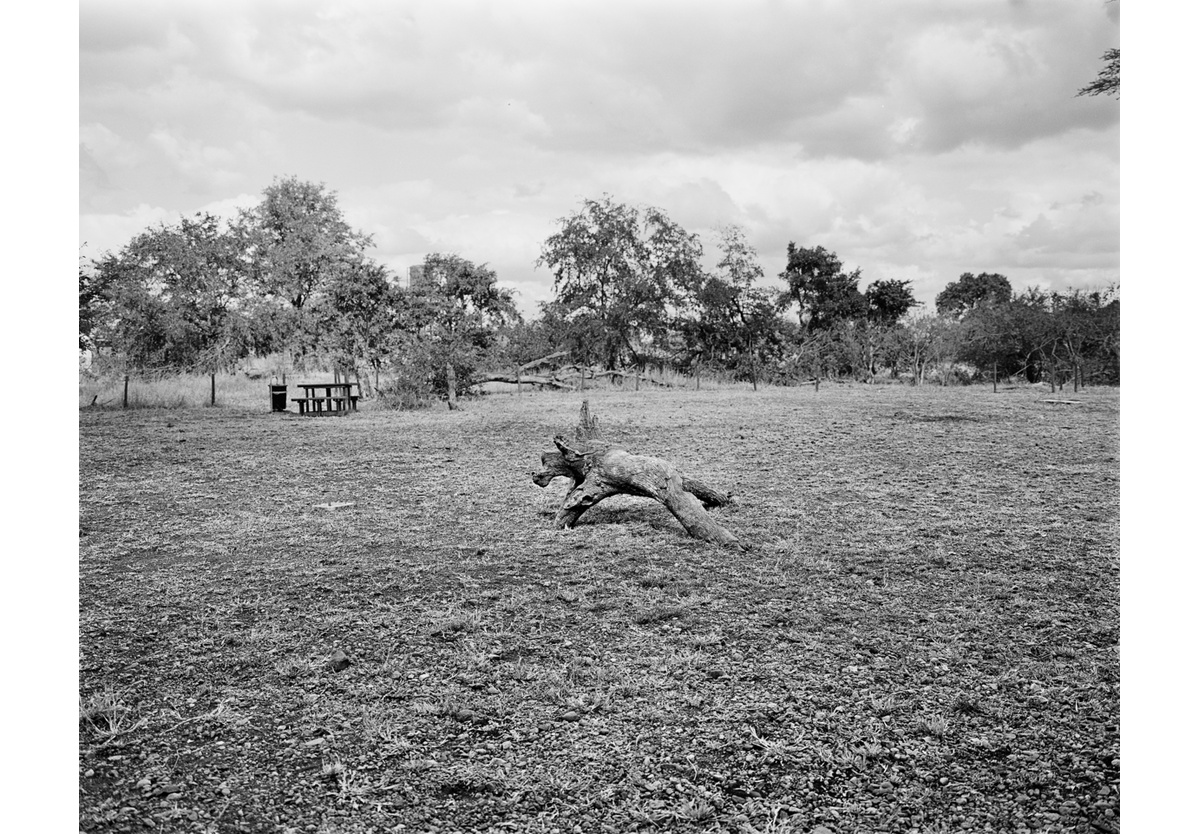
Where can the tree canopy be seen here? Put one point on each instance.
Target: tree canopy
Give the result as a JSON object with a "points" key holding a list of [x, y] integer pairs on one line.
{"points": [[971, 291], [619, 270], [824, 293]]}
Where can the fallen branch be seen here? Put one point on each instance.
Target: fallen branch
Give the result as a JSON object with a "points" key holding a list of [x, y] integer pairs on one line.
{"points": [[545, 360], [512, 379]]}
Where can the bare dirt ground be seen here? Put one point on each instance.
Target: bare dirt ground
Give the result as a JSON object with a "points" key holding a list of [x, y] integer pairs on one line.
{"points": [[369, 624]]}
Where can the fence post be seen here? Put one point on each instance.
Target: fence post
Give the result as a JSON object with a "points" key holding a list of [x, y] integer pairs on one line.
{"points": [[213, 379], [125, 396]]}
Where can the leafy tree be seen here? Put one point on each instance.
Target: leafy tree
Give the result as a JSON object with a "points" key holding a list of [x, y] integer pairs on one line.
{"points": [[449, 323], [1086, 328], [176, 294], [1108, 81], [824, 292], [888, 301], [971, 291], [621, 270], [297, 241], [359, 316], [724, 317]]}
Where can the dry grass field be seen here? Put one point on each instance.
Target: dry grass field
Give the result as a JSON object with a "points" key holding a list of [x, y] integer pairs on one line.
{"points": [[369, 623]]}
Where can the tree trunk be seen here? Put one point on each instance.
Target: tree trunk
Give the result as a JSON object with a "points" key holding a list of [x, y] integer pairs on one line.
{"points": [[598, 471], [213, 397], [994, 372], [451, 383]]}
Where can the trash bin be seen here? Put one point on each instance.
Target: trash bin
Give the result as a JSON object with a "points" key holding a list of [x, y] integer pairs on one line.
{"points": [[278, 397]]}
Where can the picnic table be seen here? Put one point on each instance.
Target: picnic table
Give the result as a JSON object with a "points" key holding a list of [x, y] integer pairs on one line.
{"points": [[336, 399]]}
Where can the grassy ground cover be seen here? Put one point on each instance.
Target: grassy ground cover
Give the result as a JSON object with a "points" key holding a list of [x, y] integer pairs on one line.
{"points": [[368, 623]]}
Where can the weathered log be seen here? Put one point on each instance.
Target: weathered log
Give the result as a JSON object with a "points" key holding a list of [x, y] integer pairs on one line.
{"points": [[527, 379], [598, 471], [545, 360]]}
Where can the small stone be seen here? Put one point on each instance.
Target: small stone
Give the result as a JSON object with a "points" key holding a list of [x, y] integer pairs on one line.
{"points": [[338, 661], [571, 716]]}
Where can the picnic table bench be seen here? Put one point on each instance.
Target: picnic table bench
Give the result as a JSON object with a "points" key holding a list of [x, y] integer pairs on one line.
{"points": [[336, 401]]}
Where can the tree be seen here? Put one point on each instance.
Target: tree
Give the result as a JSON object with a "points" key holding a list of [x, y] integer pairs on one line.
{"points": [[449, 322], [621, 270], [824, 293], [359, 315], [971, 291], [1108, 81], [297, 241], [928, 340], [177, 294], [888, 301], [1086, 325], [724, 318]]}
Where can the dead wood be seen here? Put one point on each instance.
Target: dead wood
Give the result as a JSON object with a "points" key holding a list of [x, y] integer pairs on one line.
{"points": [[545, 360], [527, 379], [598, 471]]}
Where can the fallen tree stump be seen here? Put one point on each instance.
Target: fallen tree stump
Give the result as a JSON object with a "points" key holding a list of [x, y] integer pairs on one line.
{"points": [[598, 471]]}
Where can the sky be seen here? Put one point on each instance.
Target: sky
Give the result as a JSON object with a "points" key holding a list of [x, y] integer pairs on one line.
{"points": [[917, 139]]}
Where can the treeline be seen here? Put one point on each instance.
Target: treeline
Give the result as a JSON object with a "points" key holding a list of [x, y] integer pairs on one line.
{"points": [[290, 276]]}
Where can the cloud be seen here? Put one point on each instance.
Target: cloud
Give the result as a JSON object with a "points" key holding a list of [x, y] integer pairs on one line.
{"points": [[917, 138]]}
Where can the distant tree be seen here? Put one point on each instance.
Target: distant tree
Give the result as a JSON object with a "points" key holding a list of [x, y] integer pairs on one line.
{"points": [[1108, 81], [359, 315], [297, 241], [724, 319], [926, 341], [177, 296], [818, 354], [824, 293], [621, 269], [888, 301], [971, 291], [450, 322], [1086, 330]]}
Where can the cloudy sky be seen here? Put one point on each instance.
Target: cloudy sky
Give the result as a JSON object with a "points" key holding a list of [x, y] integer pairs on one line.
{"points": [[918, 139]]}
